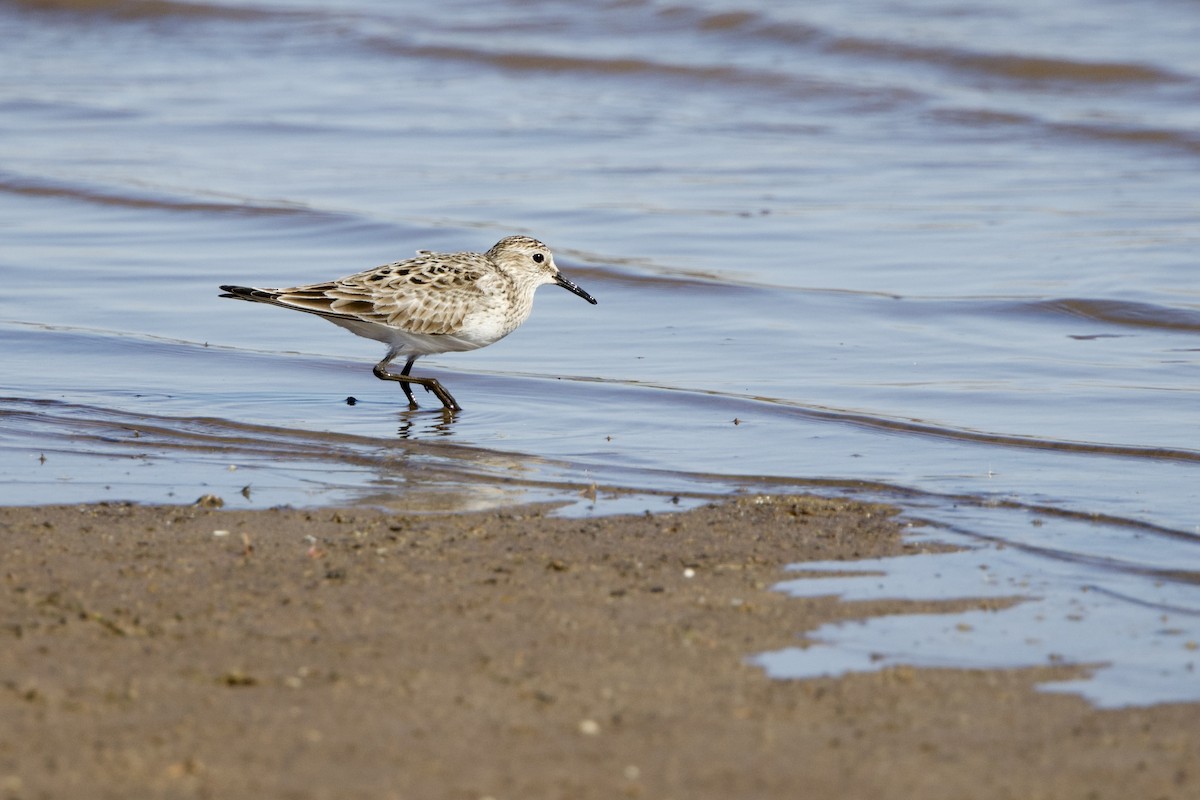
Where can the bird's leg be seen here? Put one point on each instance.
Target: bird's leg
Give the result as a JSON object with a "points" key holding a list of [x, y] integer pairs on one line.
{"points": [[431, 385], [404, 379], [383, 375]]}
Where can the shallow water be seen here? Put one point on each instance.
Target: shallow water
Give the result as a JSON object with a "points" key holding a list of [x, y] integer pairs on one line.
{"points": [[930, 253]]}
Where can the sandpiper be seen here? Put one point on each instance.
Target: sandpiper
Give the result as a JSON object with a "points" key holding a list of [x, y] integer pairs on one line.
{"points": [[434, 303]]}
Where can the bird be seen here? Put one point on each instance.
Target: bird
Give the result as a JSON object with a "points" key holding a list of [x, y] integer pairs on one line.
{"points": [[433, 303]]}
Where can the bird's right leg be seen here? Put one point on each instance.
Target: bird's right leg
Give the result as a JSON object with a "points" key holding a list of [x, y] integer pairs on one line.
{"points": [[404, 379]]}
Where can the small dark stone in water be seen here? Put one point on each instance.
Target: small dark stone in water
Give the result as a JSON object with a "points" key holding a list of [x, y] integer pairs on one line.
{"points": [[350, 401]]}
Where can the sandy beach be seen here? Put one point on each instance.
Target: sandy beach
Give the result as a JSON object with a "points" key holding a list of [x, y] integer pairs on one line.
{"points": [[192, 652]]}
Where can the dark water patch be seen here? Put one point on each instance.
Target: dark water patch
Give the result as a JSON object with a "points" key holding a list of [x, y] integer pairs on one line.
{"points": [[744, 27], [254, 216], [1029, 71], [128, 197], [649, 277], [143, 9], [983, 118], [1007, 123], [727, 20], [1125, 313], [1054, 70], [1182, 140]]}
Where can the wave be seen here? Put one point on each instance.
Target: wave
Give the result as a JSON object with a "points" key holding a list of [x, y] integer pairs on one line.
{"points": [[1016, 67], [929, 430], [1023, 72], [1019, 67], [739, 27], [77, 429], [126, 197], [1125, 313], [1180, 139], [49, 426], [688, 30], [142, 9], [705, 75], [255, 211]]}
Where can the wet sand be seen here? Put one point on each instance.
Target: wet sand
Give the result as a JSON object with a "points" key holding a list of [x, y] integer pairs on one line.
{"points": [[192, 652]]}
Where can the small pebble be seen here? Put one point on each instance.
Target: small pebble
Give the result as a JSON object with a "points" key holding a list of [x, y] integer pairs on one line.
{"points": [[589, 727]]}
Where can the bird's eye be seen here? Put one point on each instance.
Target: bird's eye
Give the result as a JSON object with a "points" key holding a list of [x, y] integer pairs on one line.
{"points": [[538, 257]]}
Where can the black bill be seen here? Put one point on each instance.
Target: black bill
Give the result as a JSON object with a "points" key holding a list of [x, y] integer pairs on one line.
{"points": [[572, 288]]}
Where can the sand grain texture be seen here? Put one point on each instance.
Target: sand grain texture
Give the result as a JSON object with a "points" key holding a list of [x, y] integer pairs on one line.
{"points": [[357, 653]]}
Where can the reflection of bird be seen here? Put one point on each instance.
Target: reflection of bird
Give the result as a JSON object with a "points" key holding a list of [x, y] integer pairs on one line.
{"points": [[434, 303]]}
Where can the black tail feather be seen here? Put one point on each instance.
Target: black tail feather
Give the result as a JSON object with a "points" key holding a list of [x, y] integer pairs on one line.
{"points": [[246, 293]]}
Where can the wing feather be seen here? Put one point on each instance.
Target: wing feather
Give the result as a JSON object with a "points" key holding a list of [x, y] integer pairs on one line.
{"points": [[430, 294]]}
